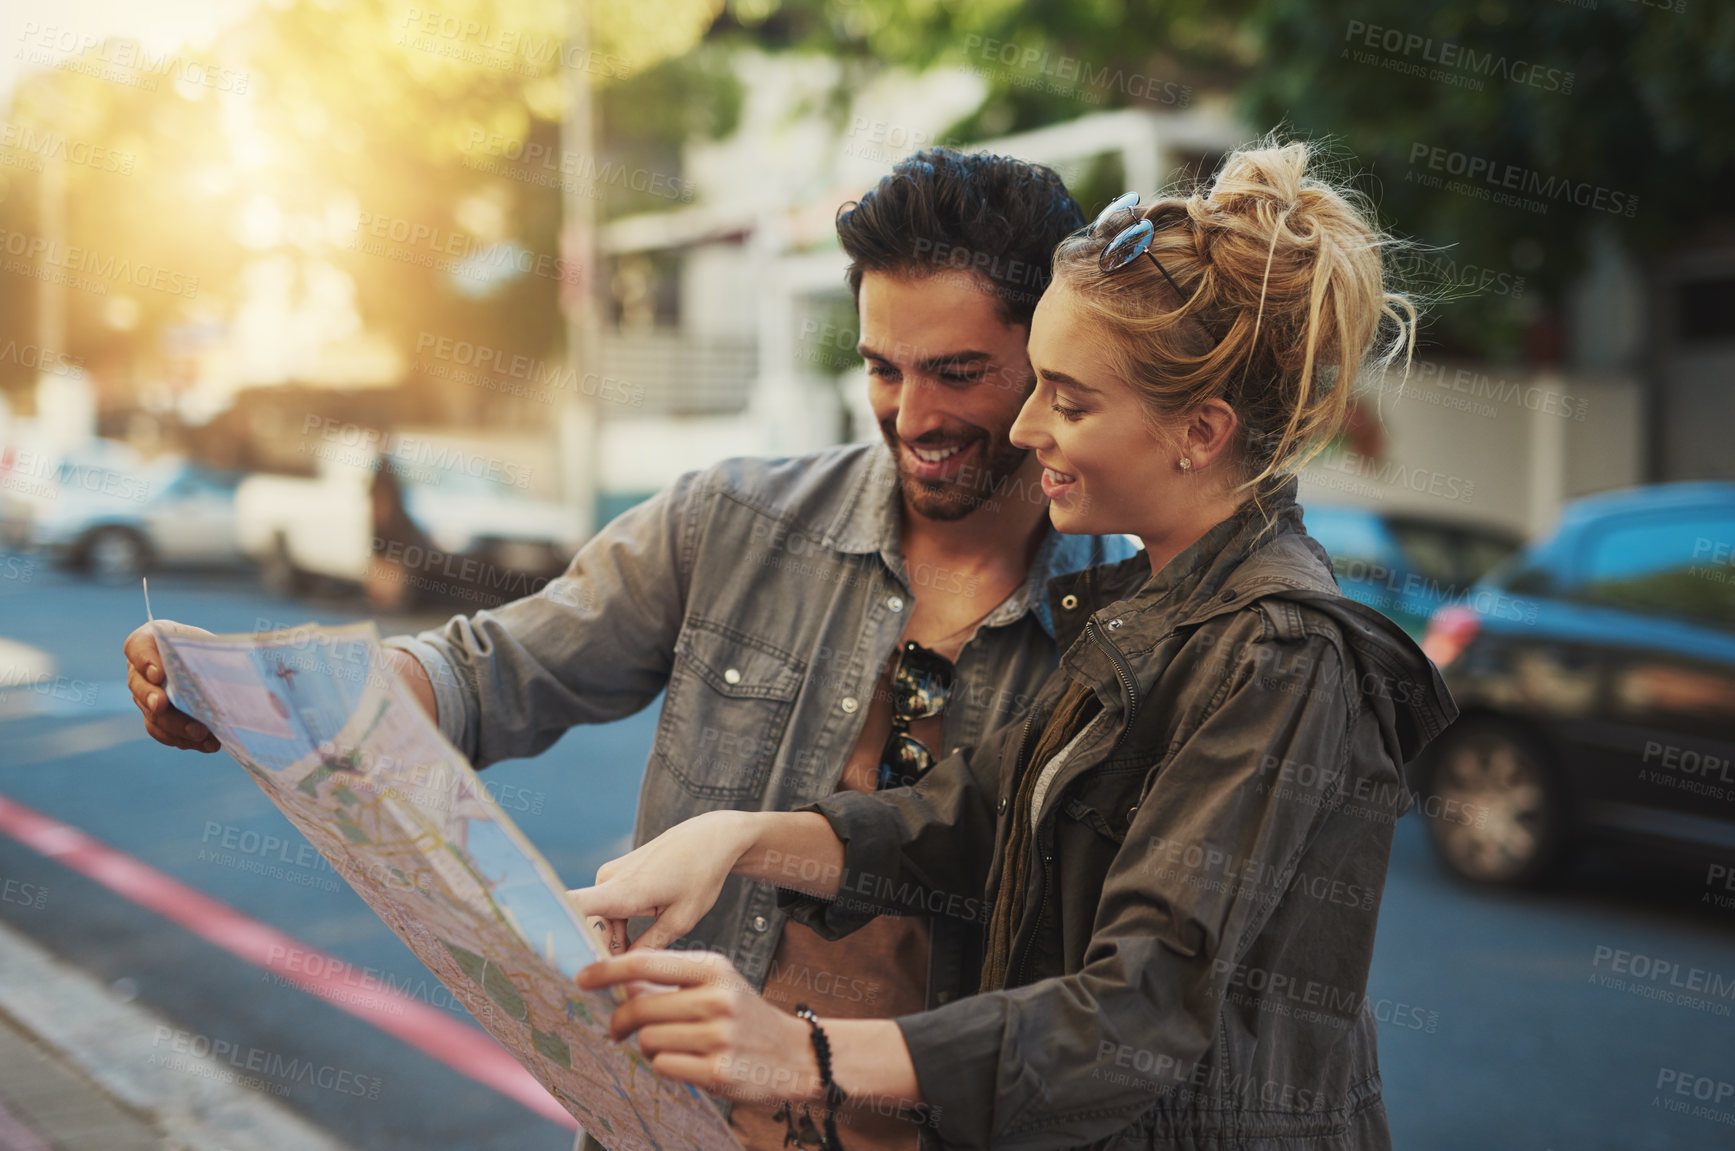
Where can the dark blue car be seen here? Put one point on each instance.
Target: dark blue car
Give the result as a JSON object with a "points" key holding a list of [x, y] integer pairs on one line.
{"points": [[1595, 671], [1406, 566]]}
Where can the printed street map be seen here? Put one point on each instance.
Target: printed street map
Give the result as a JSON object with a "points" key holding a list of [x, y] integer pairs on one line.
{"points": [[325, 728]]}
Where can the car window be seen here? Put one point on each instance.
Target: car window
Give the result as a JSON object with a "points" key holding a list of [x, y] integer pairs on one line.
{"points": [[1678, 565], [1450, 555], [1353, 539]]}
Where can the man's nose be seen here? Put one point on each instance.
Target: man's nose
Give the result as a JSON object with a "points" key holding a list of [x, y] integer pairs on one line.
{"points": [[919, 411]]}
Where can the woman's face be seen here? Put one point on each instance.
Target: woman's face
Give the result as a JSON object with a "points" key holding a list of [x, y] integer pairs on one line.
{"points": [[1105, 467]]}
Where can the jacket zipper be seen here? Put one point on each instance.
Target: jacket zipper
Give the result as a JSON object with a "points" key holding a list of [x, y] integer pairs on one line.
{"points": [[1129, 686], [1124, 672]]}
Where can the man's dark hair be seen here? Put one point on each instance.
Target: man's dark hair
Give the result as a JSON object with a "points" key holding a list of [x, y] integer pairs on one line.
{"points": [[942, 209]]}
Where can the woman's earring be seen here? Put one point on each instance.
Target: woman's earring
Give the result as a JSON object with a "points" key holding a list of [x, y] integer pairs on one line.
{"points": [[1186, 464]]}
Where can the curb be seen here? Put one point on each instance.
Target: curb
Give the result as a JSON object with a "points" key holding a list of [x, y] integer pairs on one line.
{"points": [[197, 1107]]}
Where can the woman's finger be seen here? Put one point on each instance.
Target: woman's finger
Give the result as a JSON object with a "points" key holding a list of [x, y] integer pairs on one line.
{"points": [[701, 1038], [699, 1070], [676, 968]]}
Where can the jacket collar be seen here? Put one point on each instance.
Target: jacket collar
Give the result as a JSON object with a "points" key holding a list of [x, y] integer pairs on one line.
{"points": [[868, 522], [1221, 571], [1260, 551]]}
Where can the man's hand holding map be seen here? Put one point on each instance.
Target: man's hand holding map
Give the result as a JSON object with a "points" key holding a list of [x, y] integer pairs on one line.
{"points": [[331, 735]]}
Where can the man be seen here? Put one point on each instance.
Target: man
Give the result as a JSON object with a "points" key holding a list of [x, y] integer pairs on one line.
{"points": [[774, 600]]}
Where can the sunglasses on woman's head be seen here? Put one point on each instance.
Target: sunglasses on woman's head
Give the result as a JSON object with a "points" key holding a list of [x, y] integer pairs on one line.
{"points": [[920, 688], [1132, 241]]}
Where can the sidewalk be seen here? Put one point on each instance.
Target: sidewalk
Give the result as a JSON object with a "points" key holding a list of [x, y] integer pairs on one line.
{"points": [[46, 1103], [77, 1073]]}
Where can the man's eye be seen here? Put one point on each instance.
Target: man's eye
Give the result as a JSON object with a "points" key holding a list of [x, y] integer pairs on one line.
{"points": [[960, 377], [883, 371]]}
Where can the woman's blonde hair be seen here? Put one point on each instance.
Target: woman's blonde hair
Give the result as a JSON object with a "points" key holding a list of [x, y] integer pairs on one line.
{"points": [[1285, 299]]}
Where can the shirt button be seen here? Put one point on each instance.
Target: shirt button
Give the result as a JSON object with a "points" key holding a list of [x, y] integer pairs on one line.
{"points": [[943, 997], [730, 675], [760, 923], [1069, 602], [896, 603], [1002, 808], [849, 704], [1229, 593], [1132, 811]]}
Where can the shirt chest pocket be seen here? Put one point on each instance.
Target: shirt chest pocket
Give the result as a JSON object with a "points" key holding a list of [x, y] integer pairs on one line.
{"points": [[728, 704]]}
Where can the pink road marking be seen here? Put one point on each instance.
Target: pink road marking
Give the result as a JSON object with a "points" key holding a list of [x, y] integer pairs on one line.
{"points": [[15, 1136], [429, 1030]]}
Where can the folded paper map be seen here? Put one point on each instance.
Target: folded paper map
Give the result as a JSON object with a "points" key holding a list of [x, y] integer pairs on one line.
{"points": [[324, 726]]}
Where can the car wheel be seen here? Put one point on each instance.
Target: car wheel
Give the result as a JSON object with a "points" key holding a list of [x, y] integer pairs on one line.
{"points": [[1495, 806], [277, 571], [116, 554]]}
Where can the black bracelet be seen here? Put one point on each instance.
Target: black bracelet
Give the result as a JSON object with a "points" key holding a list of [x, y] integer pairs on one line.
{"points": [[834, 1096]]}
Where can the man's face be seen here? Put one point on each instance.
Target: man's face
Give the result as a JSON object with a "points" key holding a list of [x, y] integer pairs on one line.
{"points": [[947, 377]]}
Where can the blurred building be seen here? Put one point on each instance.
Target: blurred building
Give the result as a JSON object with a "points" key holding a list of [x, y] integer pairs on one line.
{"points": [[733, 318]]}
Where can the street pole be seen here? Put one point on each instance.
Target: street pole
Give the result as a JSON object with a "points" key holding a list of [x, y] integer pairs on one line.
{"points": [[578, 427]]}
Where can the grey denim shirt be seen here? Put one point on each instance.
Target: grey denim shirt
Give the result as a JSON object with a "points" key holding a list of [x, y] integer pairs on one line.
{"points": [[765, 597]]}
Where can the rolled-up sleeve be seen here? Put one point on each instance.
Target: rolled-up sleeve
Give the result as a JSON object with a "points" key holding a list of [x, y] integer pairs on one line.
{"points": [[594, 645], [922, 850], [1033, 1066]]}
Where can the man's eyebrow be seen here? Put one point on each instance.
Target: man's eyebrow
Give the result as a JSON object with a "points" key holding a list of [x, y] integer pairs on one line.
{"points": [[1054, 377], [930, 363]]}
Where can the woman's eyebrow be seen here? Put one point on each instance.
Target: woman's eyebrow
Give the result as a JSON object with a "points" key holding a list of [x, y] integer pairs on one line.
{"points": [[1055, 377]]}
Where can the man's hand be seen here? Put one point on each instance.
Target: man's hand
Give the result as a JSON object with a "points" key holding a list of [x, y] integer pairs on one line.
{"points": [[700, 1022], [164, 722]]}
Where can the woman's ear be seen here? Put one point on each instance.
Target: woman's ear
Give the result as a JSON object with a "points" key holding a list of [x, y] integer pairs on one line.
{"points": [[1209, 432]]}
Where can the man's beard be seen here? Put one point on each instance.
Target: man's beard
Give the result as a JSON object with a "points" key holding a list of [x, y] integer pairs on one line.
{"points": [[976, 483]]}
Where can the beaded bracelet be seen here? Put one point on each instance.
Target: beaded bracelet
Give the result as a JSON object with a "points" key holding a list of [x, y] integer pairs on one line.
{"points": [[834, 1096]]}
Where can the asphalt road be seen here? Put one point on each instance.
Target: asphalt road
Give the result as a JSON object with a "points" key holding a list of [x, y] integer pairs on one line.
{"points": [[1541, 1022]]}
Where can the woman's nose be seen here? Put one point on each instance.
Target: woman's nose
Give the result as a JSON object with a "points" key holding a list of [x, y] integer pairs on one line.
{"points": [[1027, 430]]}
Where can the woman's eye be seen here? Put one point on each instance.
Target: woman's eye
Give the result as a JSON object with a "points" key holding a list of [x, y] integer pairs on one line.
{"points": [[1066, 413]]}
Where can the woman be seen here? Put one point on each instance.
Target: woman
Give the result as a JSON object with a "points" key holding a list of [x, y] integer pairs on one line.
{"points": [[1181, 852]]}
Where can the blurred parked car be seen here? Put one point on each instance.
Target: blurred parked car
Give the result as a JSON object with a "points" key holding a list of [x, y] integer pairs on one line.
{"points": [[115, 523], [455, 535], [1595, 671], [1406, 566]]}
